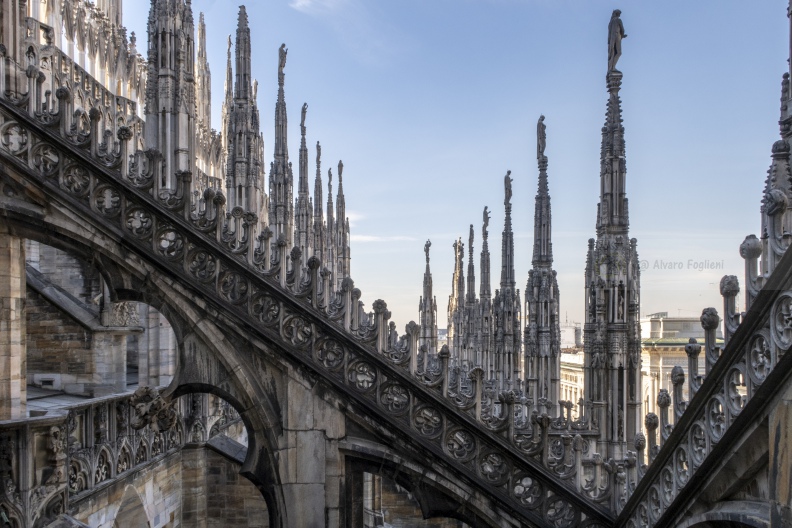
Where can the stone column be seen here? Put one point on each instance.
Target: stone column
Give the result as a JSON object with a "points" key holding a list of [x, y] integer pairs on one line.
{"points": [[780, 443], [167, 351], [109, 355], [194, 492], [156, 349], [353, 493], [311, 466], [13, 393]]}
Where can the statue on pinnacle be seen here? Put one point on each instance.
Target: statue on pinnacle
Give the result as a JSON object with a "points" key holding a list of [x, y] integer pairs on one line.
{"points": [[615, 35], [541, 138], [426, 250], [282, 58]]}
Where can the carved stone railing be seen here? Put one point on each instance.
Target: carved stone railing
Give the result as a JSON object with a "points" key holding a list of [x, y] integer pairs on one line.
{"points": [[52, 461], [217, 254], [739, 380]]}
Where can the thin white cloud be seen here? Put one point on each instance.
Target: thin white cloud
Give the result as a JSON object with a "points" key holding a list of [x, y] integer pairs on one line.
{"points": [[354, 217], [316, 7], [359, 26], [374, 238]]}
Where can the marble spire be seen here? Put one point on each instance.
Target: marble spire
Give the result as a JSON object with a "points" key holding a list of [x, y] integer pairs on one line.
{"points": [[484, 320], [427, 312], [318, 227], [342, 230], [543, 245], [203, 78], [485, 291], [542, 328], [612, 211], [506, 306], [507, 241], [612, 331], [471, 278], [456, 302], [330, 230], [281, 181], [242, 134], [228, 100], [170, 88], [303, 215], [242, 86]]}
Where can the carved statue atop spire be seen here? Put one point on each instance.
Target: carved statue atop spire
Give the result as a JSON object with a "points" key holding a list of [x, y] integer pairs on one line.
{"points": [[486, 221], [507, 181], [282, 59], [318, 154], [229, 46], [615, 35], [541, 137], [340, 171], [302, 117], [426, 249]]}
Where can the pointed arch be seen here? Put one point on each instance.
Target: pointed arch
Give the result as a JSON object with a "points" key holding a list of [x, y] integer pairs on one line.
{"points": [[132, 512]]}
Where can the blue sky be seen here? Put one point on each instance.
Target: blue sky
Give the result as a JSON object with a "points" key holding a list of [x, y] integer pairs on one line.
{"points": [[429, 102]]}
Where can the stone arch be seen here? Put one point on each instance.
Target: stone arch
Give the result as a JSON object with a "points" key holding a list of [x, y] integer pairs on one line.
{"points": [[732, 514], [10, 515], [131, 512], [438, 494], [200, 372], [219, 369]]}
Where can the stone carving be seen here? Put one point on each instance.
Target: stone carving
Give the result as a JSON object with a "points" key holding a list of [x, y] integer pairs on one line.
{"points": [[761, 360], [710, 319], [281, 58], [152, 410], [76, 180], [528, 491], [460, 444], [362, 376], [615, 35], [507, 184], [494, 468], [125, 314], [395, 398], [139, 222], [729, 286], [541, 137], [330, 353], [428, 421]]}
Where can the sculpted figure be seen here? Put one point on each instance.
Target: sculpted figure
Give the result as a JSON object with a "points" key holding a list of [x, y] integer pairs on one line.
{"points": [[282, 58], [302, 118], [152, 410], [486, 218], [541, 137], [507, 181], [426, 249], [615, 35]]}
